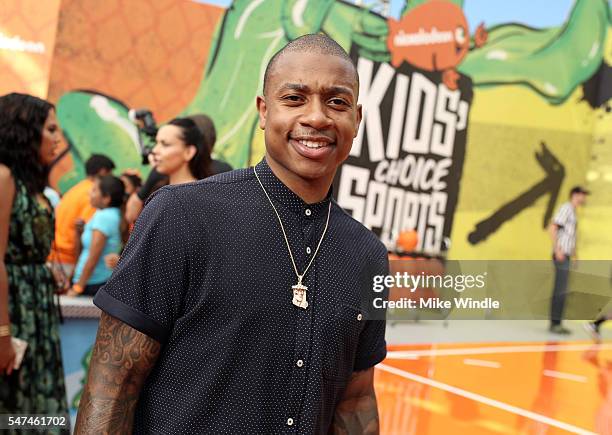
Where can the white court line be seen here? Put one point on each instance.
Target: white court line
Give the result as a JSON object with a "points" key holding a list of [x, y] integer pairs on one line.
{"points": [[568, 376], [412, 354], [486, 400], [481, 363]]}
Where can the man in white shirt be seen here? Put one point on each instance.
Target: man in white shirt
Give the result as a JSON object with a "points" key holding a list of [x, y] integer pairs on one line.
{"points": [[563, 232]]}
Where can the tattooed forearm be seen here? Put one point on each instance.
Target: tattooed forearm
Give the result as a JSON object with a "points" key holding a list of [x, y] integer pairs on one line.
{"points": [[121, 361], [357, 412], [357, 416]]}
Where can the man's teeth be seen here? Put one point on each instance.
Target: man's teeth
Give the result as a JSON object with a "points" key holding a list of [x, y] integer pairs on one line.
{"points": [[312, 144]]}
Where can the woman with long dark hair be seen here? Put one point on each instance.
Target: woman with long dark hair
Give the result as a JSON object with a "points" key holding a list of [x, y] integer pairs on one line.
{"points": [[29, 136], [180, 152]]}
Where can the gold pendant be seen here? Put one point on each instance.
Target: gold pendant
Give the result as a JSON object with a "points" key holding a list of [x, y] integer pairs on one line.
{"points": [[299, 295]]}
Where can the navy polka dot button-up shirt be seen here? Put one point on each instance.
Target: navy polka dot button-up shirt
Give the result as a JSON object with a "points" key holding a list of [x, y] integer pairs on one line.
{"points": [[207, 273]]}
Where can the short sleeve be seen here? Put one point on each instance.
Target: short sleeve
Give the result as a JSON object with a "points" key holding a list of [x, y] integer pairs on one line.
{"points": [[105, 222], [372, 347], [148, 285], [562, 215]]}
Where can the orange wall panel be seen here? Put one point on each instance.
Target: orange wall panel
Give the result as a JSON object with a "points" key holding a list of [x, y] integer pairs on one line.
{"points": [[146, 53], [27, 38]]}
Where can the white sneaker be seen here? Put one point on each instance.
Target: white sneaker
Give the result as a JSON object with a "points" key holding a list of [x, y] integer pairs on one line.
{"points": [[593, 331]]}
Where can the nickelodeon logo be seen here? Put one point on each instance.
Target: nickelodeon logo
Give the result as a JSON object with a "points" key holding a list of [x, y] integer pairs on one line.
{"points": [[15, 43], [424, 37], [433, 36]]}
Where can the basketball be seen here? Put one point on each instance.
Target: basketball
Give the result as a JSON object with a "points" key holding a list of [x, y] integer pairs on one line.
{"points": [[407, 241]]}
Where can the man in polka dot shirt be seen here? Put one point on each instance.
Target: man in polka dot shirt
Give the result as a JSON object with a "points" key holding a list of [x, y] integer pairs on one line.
{"points": [[243, 303]]}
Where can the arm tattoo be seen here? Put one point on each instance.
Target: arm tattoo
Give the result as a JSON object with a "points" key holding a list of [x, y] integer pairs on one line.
{"points": [[357, 412], [121, 361]]}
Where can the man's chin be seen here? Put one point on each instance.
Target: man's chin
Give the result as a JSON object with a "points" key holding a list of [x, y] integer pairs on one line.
{"points": [[313, 170], [305, 168]]}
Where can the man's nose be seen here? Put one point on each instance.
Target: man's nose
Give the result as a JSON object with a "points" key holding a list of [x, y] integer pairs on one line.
{"points": [[316, 115]]}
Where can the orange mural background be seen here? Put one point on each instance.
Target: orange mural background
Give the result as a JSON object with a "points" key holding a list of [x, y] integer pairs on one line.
{"points": [[30, 21], [147, 53]]}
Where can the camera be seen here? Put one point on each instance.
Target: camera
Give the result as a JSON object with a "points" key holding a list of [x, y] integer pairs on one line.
{"points": [[147, 130]]}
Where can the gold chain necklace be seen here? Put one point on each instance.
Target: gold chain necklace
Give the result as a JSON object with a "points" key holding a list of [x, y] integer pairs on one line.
{"points": [[299, 290]]}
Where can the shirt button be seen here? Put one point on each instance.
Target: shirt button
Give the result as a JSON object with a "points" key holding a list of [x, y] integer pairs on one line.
{"points": [[300, 363], [308, 212], [289, 422], [359, 317], [308, 250]]}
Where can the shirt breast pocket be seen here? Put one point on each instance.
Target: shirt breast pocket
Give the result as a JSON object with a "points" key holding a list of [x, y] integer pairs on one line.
{"points": [[341, 342]]}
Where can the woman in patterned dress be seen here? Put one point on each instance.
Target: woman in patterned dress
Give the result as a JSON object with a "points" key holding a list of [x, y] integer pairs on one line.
{"points": [[29, 136]]}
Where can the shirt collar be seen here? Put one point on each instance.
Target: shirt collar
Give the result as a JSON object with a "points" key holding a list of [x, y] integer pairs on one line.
{"points": [[286, 197]]}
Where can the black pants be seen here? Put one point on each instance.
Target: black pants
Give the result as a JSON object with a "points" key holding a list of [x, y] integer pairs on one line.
{"points": [[559, 290]]}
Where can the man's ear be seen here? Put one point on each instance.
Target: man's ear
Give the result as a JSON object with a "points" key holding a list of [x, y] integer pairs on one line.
{"points": [[263, 110], [359, 117]]}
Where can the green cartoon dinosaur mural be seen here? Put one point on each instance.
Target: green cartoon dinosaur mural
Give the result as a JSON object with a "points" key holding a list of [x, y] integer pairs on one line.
{"points": [[515, 54], [95, 123], [552, 62]]}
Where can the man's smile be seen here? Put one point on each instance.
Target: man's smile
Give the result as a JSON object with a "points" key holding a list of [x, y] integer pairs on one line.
{"points": [[312, 148], [312, 141], [313, 144]]}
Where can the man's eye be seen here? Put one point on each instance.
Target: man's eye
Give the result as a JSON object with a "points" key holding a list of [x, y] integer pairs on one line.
{"points": [[293, 98], [338, 102]]}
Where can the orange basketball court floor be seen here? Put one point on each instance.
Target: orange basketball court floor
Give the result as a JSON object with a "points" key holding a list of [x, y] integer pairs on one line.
{"points": [[496, 388]]}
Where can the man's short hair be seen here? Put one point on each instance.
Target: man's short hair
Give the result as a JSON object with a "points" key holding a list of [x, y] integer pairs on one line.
{"points": [[577, 190], [311, 43], [96, 163]]}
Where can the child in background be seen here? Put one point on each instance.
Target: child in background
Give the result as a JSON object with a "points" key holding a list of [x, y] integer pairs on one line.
{"points": [[131, 180], [101, 236]]}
